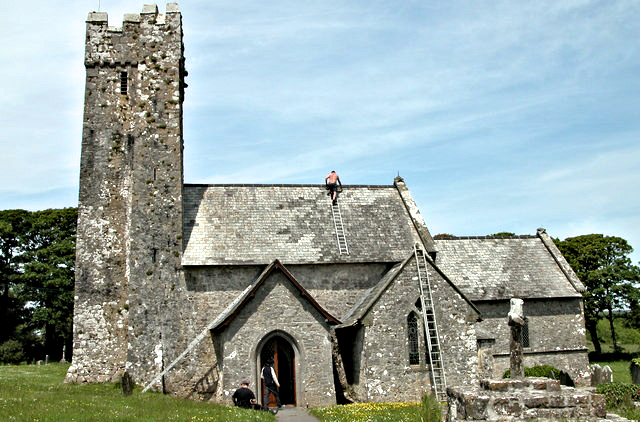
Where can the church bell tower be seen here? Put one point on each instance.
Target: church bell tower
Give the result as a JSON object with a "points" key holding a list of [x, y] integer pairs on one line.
{"points": [[129, 242]]}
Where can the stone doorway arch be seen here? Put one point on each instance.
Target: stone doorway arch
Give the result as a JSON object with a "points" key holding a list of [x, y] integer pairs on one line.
{"points": [[281, 348]]}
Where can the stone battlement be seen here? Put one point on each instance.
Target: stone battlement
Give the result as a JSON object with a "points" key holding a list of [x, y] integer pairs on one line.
{"points": [[149, 31], [149, 12]]}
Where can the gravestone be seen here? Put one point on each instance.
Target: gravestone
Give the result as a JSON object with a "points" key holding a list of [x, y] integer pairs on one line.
{"points": [[565, 379], [126, 384], [596, 374], [600, 375], [607, 375], [635, 373]]}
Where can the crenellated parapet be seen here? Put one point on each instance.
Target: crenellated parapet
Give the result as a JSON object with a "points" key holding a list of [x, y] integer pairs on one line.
{"points": [[140, 36]]}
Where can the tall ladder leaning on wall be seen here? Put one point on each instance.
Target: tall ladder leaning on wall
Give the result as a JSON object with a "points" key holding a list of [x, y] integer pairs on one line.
{"points": [[340, 235], [438, 380]]}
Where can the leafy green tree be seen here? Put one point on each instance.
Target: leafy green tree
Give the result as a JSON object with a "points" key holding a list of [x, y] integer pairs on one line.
{"points": [[13, 225], [443, 236], [48, 276], [37, 253], [633, 316], [602, 264]]}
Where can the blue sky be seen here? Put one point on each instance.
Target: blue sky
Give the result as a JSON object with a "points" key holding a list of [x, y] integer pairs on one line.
{"points": [[501, 116]]}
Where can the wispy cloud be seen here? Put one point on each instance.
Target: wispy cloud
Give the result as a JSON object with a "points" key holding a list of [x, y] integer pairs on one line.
{"points": [[500, 115]]}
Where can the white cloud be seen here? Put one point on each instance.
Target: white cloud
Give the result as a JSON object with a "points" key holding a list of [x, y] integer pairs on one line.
{"points": [[500, 115]]}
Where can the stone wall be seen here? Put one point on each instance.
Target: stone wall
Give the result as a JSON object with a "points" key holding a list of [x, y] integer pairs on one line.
{"points": [[130, 207], [335, 286], [556, 335], [279, 307], [524, 399], [385, 373]]}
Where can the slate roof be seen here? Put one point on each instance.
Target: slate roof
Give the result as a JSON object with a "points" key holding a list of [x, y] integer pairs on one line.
{"points": [[498, 268], [256, 224]]}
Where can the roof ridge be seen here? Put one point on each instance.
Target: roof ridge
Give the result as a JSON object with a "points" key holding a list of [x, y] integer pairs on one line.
{"points": [[517, 236], [561, 261], [280, 185]]}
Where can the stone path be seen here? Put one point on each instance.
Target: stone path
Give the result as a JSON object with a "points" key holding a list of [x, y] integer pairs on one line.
{"points": [[295, 414]]}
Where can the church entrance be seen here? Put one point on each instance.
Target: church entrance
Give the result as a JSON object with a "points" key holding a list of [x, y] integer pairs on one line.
{"points": [[280, 350]]}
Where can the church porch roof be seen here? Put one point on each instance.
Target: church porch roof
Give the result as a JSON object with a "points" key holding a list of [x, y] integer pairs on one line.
{"points": [[229, 314]]}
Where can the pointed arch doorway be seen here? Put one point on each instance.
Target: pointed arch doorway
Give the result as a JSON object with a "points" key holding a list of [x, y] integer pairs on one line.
{"points": [[278, 348]]}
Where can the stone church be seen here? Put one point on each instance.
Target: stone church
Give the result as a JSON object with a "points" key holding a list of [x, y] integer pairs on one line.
{"points": [[190, 288]]}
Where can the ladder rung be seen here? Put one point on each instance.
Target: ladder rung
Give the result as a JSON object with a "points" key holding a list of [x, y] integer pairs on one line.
{"points": [[340, 234], [431, 329]]}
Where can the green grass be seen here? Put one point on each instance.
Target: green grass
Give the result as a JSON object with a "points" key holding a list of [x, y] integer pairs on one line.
{"points": [[621, 373], [627, 338], [369, 412], [36, 393], [620, 369]]}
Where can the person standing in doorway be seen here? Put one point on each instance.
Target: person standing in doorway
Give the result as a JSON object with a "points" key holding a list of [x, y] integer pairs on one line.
{"points": [[271, 383], [331, 181]]}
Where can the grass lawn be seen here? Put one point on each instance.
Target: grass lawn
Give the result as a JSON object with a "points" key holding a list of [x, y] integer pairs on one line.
{"points": [[36, 393], [627, 338], [369, 412], [620, 369]]}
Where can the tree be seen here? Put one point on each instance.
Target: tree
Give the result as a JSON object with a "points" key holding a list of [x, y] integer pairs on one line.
{"points": [[633, 316], [13, 225], [602, 264], [48, 276], [37, 252]]}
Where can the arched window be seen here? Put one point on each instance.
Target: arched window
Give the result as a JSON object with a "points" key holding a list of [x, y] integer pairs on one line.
{"points": [[412, 331]]}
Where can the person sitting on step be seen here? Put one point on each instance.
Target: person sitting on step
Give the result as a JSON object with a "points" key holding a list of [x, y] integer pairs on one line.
{"points": [[244, 397]]}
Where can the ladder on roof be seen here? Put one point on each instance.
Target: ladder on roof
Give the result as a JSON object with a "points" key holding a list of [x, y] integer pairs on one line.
{"points": [[340, 235], [434, 354]]}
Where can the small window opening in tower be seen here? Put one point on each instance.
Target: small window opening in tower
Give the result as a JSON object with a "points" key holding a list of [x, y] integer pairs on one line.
{"points": [[412, 329], [123, 83]]}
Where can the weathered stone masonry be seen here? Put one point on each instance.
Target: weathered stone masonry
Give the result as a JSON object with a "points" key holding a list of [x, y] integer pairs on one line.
{"points": [[130, 205]]}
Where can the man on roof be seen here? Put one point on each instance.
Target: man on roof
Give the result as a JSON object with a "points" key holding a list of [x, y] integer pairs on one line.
{"points": [[332, 181]]}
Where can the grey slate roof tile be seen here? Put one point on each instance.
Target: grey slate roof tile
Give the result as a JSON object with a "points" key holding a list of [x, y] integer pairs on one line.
{"points": [[501, 268], [256, 224]]}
